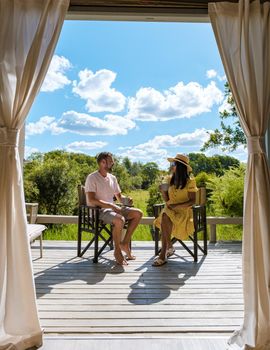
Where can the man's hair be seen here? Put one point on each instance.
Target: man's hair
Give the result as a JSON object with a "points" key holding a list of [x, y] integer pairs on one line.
{"points": [[103, 155]]}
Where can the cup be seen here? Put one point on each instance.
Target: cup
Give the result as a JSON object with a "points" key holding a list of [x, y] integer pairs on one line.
{"points": [[164, 187], [126, 201]]}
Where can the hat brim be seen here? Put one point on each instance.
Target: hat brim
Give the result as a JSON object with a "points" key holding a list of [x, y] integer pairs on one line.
{"points": [[178, 160]]}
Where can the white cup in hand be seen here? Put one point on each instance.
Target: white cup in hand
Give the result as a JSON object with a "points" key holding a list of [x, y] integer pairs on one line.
{"points": [[164, 187]]}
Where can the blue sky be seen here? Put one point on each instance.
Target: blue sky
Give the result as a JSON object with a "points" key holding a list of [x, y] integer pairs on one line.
{"points": [[143, 90]]}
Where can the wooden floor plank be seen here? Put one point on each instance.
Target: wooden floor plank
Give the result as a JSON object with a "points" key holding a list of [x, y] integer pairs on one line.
{"points": [[75, 296]]}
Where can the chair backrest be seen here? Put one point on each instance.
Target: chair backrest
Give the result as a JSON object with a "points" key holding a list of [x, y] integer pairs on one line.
{"points": [[31, 211], [81, 195], [201, 196]]}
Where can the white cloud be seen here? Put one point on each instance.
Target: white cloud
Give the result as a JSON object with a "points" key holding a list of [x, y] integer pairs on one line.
{"points": [[81, 123], [193, 139], [82, 146], [96, 89], [85, 124], [45, 123], [211, 73], [156, 149], [29, 150], [179, 101], [222, 77], [56, 76]]}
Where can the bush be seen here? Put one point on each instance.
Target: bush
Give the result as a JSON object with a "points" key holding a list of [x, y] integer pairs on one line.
{"points": [[227, 192], [155, 197]]}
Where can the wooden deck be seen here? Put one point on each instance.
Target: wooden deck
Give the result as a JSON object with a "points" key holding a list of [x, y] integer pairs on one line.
{"points": [[78, 297]]}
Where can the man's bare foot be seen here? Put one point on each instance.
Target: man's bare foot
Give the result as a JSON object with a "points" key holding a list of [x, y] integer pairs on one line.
{"points": [[119, 258], [126, 250]]}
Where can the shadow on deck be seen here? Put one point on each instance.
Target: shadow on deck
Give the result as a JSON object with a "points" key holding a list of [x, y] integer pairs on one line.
{"points": [[76, 296]]}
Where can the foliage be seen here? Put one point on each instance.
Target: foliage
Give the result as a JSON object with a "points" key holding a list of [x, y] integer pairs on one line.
{"points": [[230, 135], [150, 173], [155, 197], [227, 192], [202, 179], [216, 164], [55, 186], [122, 176], [52, 178]]}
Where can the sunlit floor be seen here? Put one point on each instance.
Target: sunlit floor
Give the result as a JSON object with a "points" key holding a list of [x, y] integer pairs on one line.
{"points": [[77, 297]]}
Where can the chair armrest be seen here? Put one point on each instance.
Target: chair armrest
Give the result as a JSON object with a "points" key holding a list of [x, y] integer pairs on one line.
{"points": [[90, 207], [159, 205], [157, 208]]}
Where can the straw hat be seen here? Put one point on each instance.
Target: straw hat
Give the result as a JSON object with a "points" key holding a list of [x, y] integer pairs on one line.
{"points": [[181, 158]]}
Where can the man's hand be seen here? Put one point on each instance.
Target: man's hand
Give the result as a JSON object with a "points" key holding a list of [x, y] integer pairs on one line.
{"points": [[116, 208], [130, 200]]}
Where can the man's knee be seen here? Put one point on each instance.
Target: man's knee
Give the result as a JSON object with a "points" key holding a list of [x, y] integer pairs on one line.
{"points": [[119, 221], [136, 214]]}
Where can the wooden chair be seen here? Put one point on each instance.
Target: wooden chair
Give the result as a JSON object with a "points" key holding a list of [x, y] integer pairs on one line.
{"points": [[88, 221], [200, 225], [34, 230]]}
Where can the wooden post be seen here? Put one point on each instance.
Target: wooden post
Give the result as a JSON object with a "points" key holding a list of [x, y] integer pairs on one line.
{"points": [[213, 233]]}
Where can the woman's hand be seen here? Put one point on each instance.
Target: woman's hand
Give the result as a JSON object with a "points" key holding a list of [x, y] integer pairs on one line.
{"points": [[172, 206]]}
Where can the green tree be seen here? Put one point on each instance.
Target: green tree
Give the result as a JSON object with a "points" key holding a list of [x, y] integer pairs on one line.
{"points": [[56, 181], [230, 135], [211, 165], [122, 175], [150, 172]]}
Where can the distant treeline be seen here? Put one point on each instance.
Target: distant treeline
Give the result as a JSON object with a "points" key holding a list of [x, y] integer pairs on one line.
{"points": [[51, 178]]}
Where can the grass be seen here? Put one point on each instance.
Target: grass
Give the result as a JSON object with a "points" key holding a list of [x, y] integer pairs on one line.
{"points": [[142, 233], [69, 232]]}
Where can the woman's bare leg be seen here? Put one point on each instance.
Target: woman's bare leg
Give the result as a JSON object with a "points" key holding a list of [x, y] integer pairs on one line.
{"points": [[166, 229]]}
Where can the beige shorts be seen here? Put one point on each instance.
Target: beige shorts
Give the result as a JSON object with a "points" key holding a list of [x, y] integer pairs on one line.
{"points": [[108, 215]]}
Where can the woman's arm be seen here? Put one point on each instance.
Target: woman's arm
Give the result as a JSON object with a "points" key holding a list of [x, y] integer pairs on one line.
{"points": [[191, 201], [164, 194]]}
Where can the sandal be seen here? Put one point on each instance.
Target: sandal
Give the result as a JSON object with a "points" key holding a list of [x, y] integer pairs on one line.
{"points": [[159, 262], [170, 252]]}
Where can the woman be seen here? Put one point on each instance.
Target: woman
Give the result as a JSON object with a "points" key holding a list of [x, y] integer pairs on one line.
{"points": [[176, 218]]}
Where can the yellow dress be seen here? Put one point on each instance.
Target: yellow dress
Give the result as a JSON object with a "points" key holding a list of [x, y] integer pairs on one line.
{"points": [[181, 218]]}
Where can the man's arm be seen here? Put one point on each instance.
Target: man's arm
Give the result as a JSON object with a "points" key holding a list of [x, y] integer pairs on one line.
{"points": [[91, 198], [119, 197]]}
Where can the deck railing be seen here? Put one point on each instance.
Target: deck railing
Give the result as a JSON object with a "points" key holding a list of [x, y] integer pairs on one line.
{"points": [[212, 221]]}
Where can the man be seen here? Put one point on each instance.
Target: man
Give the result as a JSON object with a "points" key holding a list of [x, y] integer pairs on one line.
{"points": [[100, 188]]}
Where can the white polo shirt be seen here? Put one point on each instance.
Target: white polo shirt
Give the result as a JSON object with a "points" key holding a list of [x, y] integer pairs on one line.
{"points": [[104, 187]]}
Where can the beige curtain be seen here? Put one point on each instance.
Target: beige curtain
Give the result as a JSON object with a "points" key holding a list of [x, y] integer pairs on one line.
{"points": [[242, 31], [29, 30]]}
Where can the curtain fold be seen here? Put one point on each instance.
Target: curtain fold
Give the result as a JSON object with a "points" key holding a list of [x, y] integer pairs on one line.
{"points": [[242, 32], [29, 30]]}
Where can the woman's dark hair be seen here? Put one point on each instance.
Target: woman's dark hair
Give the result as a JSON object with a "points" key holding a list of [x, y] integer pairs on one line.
{"points": [[180, 177], [103, 155]]}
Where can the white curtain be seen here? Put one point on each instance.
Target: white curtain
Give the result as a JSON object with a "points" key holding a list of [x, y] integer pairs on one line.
{"points": [[242, 32], [29, 30]]}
